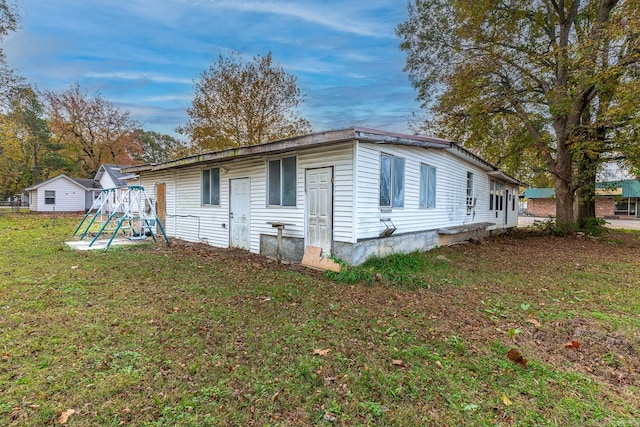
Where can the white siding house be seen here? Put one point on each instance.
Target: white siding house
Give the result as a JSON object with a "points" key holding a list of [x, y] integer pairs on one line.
{"points": [[62, 194], [355, 193]]}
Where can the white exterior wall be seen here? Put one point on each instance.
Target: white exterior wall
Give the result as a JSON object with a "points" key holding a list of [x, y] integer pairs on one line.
{"points": [[106, 181], [451, 192], [33, 200], [69, 197], [356, 210], [189, 220]]}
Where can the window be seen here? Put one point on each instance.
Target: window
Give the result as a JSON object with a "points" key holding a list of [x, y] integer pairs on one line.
{"points": [[469, 184], [282, 177], [49, 197], [211, 186], [391, 181], [427, 186], [625, 207], [496, 195]]}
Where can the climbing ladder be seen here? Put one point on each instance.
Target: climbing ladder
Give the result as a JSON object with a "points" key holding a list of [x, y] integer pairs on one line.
{"points": [[101, 209], [128, 210]]}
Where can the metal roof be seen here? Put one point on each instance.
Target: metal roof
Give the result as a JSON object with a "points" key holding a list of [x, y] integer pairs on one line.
{"points": [[539, 193], [630, 187], [327, 138], [86, 184]]}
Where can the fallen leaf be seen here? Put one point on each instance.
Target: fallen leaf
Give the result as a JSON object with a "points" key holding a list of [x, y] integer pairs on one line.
{"points": [[439, 363], [572, 344], [321, 352], [515, 356], [64, 417], [329, 417], [5, 356], [506, 400], [534, 322], [397, 362], [15, 414]]}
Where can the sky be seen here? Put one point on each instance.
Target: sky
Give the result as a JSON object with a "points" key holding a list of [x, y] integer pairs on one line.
{"points": [[144, 55]]}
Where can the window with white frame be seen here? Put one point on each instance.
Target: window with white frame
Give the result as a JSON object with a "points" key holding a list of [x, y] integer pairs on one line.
{"points": [[49, 197], [427, 186], [470, 199], [496, 195], [391, 181], [211, 186], [282, 181]]}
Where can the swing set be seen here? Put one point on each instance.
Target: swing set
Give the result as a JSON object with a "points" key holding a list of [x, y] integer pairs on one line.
{"points": [[126, 210]]}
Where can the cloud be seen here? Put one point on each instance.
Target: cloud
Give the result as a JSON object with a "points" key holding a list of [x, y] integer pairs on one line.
{"points": [[133, 75], [312, 13]]}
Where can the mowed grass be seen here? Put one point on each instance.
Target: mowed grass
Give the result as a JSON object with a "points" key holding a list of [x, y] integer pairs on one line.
{"points": [[195, 336]]}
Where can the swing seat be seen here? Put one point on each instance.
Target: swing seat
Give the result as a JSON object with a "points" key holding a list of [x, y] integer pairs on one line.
{"points": [[143, 237]]}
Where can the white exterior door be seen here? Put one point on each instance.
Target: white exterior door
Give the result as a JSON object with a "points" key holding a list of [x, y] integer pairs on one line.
{"points": [[320, 208], [240, 213]]}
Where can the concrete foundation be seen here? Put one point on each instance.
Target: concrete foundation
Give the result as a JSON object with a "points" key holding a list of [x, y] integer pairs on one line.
{"points": [[461, 233], [357, 253], [292, 247]]}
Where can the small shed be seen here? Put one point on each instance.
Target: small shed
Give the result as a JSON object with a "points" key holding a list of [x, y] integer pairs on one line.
{"points": [[63, 194]]}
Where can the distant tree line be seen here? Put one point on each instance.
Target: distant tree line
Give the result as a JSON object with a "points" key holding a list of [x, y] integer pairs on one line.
{"points": [[43, 134]]}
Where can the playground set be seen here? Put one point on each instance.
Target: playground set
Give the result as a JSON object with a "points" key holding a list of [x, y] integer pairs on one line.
{"points": [[125, 210]]}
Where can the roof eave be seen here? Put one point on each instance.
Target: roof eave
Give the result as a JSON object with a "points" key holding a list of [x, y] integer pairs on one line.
{"points": [[504, 177]]}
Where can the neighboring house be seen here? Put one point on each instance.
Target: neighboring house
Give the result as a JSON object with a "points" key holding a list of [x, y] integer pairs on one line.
{"points": [[62, 194], [354, 192], [614, 199], [111, 176]]}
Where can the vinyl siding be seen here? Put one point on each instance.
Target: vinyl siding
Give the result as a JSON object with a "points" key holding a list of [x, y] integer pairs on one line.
{"points": [[189, 220], [106, 181], [33, 200], [69, 196], [356, 210], [451, 186]]}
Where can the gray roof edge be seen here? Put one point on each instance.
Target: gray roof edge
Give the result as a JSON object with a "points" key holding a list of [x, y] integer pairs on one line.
{"points": [[61, 176], [319, 139]]}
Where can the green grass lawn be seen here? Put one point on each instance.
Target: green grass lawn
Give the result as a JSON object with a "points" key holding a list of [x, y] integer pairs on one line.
{"points": [[191, 335]]}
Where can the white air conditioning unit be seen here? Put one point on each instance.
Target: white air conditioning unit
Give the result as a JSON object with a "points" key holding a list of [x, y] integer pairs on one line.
{"points": [[471, 201]]}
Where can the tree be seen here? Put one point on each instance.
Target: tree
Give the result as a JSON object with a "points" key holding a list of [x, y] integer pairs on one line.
{"points": [[29, 156], [92, 129], [156, 147], [559, 69], [239, 104], [9, 80]]}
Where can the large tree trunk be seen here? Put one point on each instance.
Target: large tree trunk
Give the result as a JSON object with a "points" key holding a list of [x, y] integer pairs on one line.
{"points": [[586, 191], [562, 169], [564, 202]]}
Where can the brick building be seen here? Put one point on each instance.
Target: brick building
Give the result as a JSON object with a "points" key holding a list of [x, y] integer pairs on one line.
{"points": [[614, 199]]}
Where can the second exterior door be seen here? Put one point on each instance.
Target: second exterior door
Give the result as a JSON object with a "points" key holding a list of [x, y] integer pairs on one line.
{"points": [[240, 213], [319, 184]]}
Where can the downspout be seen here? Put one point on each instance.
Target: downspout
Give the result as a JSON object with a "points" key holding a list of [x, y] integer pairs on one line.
{"points": [[354, 208], [175, 203]]}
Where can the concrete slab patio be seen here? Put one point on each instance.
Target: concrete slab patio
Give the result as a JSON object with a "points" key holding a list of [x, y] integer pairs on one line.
{"points": [[83, 245]]}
